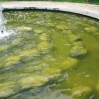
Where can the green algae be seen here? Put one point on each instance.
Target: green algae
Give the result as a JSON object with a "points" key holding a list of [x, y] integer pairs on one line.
{"points": [[81, 92], [45, 53], [32, 81]]}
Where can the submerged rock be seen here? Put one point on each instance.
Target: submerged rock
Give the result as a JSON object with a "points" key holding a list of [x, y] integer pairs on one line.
{"points": [[67, 32], [38, 31], [79, 43], [52, 72], [16, 42], [78, 51], [24, 28], [69, 63], [11, 60], [50, 24], [44, 47], [74, 38], [84, 25], [61, 27], [29, 52], [58, 18], [91, 29], [8, 89], [43, 37], [81, 92], [4, 47], [38, 22], [33, 81]]}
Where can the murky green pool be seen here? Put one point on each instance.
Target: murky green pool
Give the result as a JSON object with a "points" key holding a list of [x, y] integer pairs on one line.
{"points": [[49, 55]]}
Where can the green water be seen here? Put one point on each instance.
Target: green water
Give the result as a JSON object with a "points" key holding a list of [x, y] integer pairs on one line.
{"points": [[46, 44]]}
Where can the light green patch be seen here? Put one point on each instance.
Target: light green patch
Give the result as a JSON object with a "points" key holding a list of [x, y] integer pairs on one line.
{"points": [[29, 21], [43, 37], [24, 28], [48, 16], [74, 38], [38, 22], [61, 27], [8, 89], [69, 63], [50, 24], [52, 72], [4, 47], [11, 60], [33, 81], [91, 29], [96, 34], [16, 42], [44, 47], [81, 92], [79, 43], [58, 18], [85, 25], [78, 51], [29, 52], [67, 32], [38, 31]]}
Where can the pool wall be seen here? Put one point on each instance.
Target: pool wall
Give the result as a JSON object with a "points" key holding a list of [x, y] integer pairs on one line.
{"points": [[79, 8]]}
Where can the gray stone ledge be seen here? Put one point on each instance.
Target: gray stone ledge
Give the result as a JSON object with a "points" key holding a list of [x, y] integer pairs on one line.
{"points": [[79, 8]]}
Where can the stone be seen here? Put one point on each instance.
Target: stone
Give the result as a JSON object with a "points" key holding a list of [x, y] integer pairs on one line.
{"points": [[74, 38], [81, 92], [44, 47], [16, 42], [50, 24], [32, 81], [69, 63], [78, 51], [43, 37], [52, 72], [11, 60], [38, 31], [8, 89], [91, 29], [67, 32], [4, 47], [79, 43], [29, 52], [24, 28], [61, 27]]}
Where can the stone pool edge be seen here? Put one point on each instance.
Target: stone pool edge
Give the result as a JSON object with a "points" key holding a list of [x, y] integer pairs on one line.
{"points": [[79, 8]]}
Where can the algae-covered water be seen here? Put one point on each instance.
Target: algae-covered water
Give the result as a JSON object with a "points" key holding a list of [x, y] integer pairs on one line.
{"points": [[49, 55]]}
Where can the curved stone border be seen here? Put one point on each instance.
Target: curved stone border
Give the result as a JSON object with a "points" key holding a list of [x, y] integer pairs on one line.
{"points": [[84, 9]]}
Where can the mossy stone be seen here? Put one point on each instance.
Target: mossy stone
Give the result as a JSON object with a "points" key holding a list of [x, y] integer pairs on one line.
{"points": [[74, 38], [61, 27], [8, 89], [33, 81], [69, 63], [24, 28], [91, 29], [78, 51], [44, 47], [81, 92], [38, 31], [11, 60]]}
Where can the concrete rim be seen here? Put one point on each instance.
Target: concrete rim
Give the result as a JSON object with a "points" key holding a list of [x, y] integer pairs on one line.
{"points": [[79, 8]]}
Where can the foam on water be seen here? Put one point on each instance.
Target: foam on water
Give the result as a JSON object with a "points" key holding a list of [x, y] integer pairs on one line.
{"points": [[5, 34], [3, 31]]}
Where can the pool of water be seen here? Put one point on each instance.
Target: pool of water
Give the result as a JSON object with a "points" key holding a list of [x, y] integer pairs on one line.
{"points": [[49, 55]]}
